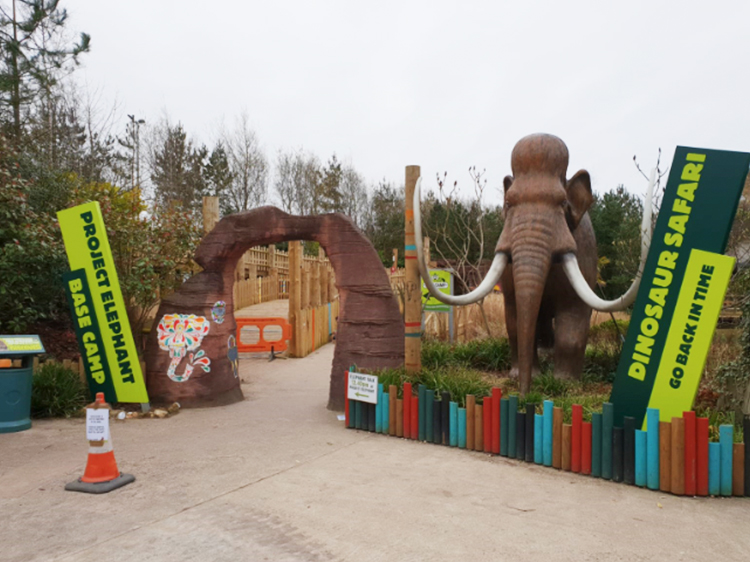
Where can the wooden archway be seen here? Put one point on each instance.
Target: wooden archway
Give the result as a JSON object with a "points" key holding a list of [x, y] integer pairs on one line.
{"points": [[370, 327]]}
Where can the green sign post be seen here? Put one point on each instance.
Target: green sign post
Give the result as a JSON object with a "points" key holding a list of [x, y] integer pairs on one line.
{"points": [[97, 307], [683, 285]]}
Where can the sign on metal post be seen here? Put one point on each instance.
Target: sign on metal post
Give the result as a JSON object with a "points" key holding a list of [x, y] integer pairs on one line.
{"points": [[363, 388], [683, 285]]}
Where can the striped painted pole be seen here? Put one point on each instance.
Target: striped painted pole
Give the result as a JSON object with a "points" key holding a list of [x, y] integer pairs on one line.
{"points": [[529, 449], [628, 450], [726, 439], [701, 456], [608, 419], [407, 410], [462, 428], [678, 457], [641, 458], [575, 442], [379, 410], [586, 448], [738, 470], [471, 404], [652, 448], [512, 420], [521, 435], [596, 445], [497, 395], [547, 432], [453, 424], [412, 296], [690, 462], [422, 416], [714, 469], [504, 426], [538, 438], [557, 425]]}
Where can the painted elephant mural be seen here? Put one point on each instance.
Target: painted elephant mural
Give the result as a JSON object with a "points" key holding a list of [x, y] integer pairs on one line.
{"points": [[545, 258], [179, 334]]}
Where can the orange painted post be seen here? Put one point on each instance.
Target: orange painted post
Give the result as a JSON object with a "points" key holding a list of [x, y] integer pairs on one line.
{"points": [[557, 428], [567, 434], [470, 420], [665, 456], [478, 428], [738, 469], [678, 457], [690, 458]]}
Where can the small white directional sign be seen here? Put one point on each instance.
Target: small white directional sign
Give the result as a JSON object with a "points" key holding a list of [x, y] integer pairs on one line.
{"points": [[363, 388]]}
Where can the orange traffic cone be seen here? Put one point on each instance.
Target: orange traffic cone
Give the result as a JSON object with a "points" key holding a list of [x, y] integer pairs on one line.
{"points": [[101, 474]]}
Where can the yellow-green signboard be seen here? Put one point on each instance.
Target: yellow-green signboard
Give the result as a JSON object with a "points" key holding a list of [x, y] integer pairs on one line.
{"points": [[443, 280], [99, 314], [20, 345], [660, 365]]}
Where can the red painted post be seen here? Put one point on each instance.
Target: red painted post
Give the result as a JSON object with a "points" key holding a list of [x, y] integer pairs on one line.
{"points": [[407, 410], [415, 417], [575, 439], [487, 426], [701, 456], [497, 395], [690, 449], [586, 448], [346, 398]]}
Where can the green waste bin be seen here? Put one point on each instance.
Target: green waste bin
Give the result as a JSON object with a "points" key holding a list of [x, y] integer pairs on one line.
{"points": [[15, 381]]}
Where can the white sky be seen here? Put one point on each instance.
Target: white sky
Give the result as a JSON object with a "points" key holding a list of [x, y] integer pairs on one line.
{"points": [[444, 85]]}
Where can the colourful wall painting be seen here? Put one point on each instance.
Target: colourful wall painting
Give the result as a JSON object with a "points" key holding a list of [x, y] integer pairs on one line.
{"points": [[218, 312], [180, 334]]}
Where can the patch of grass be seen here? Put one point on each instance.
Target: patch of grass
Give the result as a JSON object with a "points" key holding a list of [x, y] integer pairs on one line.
{"points": [[487, 355], [57, 392], [459, 381]]}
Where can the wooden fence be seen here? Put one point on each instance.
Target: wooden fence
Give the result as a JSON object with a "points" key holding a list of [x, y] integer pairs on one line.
{"points": [[315, 327]]}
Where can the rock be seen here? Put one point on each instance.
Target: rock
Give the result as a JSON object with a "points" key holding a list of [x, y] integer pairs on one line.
{"points": [[159, 413]]}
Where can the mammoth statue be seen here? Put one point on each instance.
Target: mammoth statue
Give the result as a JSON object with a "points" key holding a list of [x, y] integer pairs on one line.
{"points": [[545, 259]]}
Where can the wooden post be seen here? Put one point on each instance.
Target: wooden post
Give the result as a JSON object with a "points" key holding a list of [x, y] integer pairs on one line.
{"points": [[210, 213], [315, 284], [394, 263], [273, 272], [412, 297], [295, 296]]}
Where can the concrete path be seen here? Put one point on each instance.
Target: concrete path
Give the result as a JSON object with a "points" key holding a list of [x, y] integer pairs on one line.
{"points": [[278, 478]]}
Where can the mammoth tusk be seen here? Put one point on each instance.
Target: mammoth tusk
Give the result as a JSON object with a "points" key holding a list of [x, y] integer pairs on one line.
{"points": [[488, 283], [581, 287]]}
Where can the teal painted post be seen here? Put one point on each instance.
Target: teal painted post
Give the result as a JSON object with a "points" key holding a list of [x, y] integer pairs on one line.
{"points": [[504, 427], [714, 469], [547, 432], [640, 458], [596, 445], [422, 410], [453, 436], [726, 442], [608, 419], [379, 410], [429, 398], [462, 428], [512, 409], [386, 413], [357, 414], [652, 448], [539, 439]]}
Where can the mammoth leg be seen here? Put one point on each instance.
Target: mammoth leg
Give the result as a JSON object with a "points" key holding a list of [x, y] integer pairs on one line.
{"points": [[571, 335]]}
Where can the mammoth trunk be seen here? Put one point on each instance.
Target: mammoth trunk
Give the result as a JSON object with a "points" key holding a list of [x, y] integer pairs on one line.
{"points": [[531, 263]]}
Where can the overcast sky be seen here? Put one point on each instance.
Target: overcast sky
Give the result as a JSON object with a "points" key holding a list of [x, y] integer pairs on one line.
{"points": [[444, 85]]}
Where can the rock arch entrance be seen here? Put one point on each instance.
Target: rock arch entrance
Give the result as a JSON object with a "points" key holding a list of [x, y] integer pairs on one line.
{"points": [[188, 358]]}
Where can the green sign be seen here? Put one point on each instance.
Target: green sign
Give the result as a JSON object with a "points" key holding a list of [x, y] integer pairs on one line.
{"points": [[20, 345], [696, 213], [443, 280], [98, 310]]}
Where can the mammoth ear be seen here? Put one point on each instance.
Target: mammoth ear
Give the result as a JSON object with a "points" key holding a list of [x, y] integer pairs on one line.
{"points": [[507, 182], [579, 197]]}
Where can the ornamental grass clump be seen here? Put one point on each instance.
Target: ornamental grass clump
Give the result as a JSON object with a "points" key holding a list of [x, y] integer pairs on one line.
{"points": [[57, 391]]}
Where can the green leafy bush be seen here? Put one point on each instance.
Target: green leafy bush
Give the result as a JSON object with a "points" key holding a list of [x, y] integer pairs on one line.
{"points": [[57, 392]]}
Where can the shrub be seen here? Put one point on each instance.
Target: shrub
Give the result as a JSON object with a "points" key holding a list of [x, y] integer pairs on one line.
{"points": [[57, 392]]}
